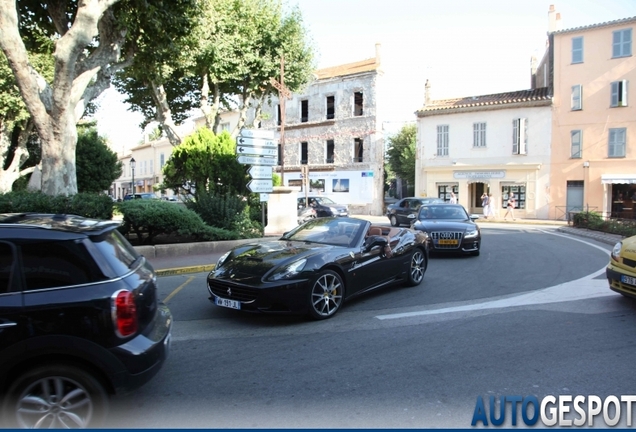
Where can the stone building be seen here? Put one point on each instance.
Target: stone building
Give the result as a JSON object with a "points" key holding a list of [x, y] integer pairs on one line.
{"points": [[334, 128]]}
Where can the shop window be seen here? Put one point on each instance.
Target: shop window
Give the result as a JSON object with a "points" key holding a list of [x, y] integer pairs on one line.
{"points": [[520, 195], [444, 191]]}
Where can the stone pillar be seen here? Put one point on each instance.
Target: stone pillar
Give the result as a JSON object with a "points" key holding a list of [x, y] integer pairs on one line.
{"points": [[282, 210]]}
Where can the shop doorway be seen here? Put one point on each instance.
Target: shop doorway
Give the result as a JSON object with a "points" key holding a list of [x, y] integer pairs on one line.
{"points": [[476, 190]]}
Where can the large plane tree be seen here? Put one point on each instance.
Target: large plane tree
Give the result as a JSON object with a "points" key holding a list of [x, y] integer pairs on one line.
{"points": [[93, 39]]}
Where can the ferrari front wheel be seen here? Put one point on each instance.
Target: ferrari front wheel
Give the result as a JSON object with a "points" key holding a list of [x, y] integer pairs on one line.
{"points": [[327, 294]]}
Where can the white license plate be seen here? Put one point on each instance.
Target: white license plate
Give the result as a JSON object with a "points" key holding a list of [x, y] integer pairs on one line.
{"points": [[628, 280], [232, 304]]}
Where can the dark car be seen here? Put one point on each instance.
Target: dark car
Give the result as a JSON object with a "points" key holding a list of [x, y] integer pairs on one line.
{"points": [[449, 227], [79, 320], [315, 267], [324, 206], [305, 214], [404, 211], [143, 195]]}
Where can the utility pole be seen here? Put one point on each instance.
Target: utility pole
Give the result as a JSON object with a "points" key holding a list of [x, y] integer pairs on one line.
{"points": [[283, 94]]}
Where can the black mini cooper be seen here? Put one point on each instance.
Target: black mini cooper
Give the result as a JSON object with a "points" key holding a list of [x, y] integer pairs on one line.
{"points": [[79, 320]]}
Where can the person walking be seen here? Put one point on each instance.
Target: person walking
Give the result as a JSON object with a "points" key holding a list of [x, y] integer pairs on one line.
{"points": [[485, 204], [453, 198], [491, 207], [510, 206]]}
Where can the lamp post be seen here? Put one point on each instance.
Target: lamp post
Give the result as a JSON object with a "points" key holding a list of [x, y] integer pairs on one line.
{"points": [[132, 167]]}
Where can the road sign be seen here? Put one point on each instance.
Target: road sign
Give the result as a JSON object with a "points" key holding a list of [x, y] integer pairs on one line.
{"points": [[257, 133], [264, 151], [260, 172], [264, 197], [256, 142], [261, 185], [256, 160]]}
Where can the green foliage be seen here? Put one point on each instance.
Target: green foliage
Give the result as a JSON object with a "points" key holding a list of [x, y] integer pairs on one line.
{"points": [[208, 163], [218, 210], [595, 221], [276, 180], [245, 227], [92, 205], [148, 219], [401, 154], [97, 165]]}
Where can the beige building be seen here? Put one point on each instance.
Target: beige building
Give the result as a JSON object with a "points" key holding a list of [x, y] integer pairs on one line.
{"points": [[592, 71]]}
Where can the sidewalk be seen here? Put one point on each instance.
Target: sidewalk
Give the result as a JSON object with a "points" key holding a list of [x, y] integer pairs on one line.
{"points": [[201, 257]]}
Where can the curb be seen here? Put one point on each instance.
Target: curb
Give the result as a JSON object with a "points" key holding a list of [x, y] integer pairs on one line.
{"points": [[183, 270]]}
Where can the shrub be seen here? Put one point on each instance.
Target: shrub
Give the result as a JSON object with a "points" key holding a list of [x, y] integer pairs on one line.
{"points": [[594, 221], [150, 218], [221, 211], [92, 205], [245, 227]]}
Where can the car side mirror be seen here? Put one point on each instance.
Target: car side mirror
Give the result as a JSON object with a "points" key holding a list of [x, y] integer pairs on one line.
{"points": [[373, 241], [474, 217]]}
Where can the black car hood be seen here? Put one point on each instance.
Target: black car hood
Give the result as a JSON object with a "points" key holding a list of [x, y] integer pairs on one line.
{"points": [[252, 261], [437, 225]]}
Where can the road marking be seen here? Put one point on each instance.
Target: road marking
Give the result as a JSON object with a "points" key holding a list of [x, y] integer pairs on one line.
{"points": [[583, 288], [179, 288]]}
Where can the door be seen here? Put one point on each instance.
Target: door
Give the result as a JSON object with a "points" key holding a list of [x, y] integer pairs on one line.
{"points": [[11, 325], [574, 197]]}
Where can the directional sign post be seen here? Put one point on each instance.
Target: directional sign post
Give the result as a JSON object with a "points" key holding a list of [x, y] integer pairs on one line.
{"points": [[263, 151], [257, 133], [256, 142], [260, 172], [261, 186], [256, 160]]}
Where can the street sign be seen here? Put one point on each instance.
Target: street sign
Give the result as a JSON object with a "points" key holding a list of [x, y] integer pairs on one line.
{"points": [[256, 160], [264, 197], [261, 185], [264, 151], [256, 142], [257, 133], [260, 172]]}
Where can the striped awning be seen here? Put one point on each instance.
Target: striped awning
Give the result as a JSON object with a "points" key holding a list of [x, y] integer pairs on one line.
{"points": [[618, 179]]}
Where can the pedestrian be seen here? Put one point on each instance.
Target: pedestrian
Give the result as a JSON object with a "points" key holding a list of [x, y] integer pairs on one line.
{"points": [[484, 204], [491, 206], [453, 198], [510, 206]]}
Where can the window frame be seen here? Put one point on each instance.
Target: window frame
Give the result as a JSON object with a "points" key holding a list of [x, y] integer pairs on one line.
{"points": [[576, 99], [479, 135], [618, 94], [443, 140], [613, 146], [519, 146], [576, 144], [577, 52], [623, 46]]}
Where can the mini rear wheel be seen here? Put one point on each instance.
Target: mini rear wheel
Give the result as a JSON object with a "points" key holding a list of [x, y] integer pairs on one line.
{"points": [[56, 396]]}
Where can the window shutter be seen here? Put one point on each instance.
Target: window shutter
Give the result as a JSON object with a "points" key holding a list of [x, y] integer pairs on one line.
{"points": [[614, 94], [624, 93], [523, 136], [515, 136]]}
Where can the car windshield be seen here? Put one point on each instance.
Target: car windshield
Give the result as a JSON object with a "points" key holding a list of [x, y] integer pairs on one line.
{"points": [[445, 212], [325, 200], [331, 231]]}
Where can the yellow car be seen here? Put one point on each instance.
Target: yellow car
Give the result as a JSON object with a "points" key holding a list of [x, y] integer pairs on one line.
{"points": [[621, 271]]}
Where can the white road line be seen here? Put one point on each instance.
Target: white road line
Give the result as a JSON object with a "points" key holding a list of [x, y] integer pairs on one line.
{"points": [[580, 289]]}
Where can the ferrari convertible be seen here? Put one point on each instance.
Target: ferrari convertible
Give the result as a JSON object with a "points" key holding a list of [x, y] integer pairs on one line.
{"points": [[315, 267]]}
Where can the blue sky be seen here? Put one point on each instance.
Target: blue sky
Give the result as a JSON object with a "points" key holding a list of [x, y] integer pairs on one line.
{"points": [[464, 47]]}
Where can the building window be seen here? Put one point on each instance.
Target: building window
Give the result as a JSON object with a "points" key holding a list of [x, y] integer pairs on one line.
{"points": [[304, 153], [442, 140], [479, 134], [617, 142], [520, 195], [225, 126], [331, 107], [575, 144], [520, 136], [357, 104], [577, 49], [151, 169], [162, 160], [330, 152], [618, 96], [577, 91], [358, 150], [304, 111], [278, 116], [444, 191], [622, 43], [280, 155]]}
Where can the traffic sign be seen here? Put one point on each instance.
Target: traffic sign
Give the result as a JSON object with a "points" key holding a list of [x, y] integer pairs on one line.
{"points": [[264, 197], [256, 160], [257, 133], [260, 172], [264, 151], [256, 142], [261, 185]]}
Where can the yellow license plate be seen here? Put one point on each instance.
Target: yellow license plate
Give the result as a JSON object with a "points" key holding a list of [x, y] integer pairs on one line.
{"points": [[447, 242]]}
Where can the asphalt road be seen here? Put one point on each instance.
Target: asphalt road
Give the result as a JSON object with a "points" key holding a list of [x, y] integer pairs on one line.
{"points": [[531, 315]]}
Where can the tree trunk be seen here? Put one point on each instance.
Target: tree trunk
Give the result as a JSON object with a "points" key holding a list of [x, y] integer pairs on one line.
{"points": [[14, 170], [164, 115]]}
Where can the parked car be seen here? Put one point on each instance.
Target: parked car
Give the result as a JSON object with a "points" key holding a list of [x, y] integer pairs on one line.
{"points": [[449, 227], [79, 320], [621, 270], [143, 195], [404, 211], [324, 206], [316, 266], [305, 214]]}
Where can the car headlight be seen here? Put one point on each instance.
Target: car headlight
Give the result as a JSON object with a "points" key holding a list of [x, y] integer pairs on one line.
{"points": [[616, 252], [289, 270], [221, 260], [471, 233]]}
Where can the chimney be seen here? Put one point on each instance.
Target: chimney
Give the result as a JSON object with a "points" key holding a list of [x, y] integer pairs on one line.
{"points": [[554, 20], [378, 52], [427, 93]]}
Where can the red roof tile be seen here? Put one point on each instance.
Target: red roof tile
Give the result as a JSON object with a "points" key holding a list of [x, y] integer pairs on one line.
{"points": [[348, 69]]}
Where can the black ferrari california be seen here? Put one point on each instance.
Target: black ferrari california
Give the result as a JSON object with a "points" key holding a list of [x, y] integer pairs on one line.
{"points": [[449, 227], [318, 265]]}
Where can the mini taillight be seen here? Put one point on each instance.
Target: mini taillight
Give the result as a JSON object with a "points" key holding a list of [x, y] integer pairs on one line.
{"points": [[124, 313]]}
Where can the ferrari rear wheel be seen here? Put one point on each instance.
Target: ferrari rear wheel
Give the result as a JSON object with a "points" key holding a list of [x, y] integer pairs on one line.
{"points": [[417, 268], [327, 294], [394, 221]]}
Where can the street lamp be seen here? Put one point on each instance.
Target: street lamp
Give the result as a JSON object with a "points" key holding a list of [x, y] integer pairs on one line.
{"points": [[132, 167]]}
